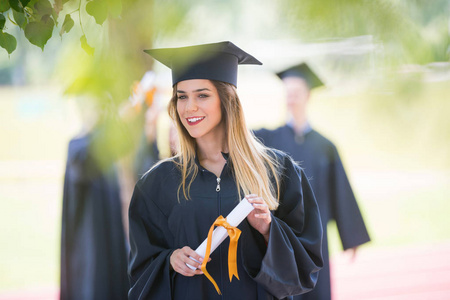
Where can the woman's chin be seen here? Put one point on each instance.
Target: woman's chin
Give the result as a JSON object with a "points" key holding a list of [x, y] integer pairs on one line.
{"points": [[195, 134]]}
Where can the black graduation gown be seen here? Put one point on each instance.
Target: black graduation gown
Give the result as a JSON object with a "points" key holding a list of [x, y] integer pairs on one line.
{"points": [[93, 245], [321, 162], [160, 224], [146, 156]]}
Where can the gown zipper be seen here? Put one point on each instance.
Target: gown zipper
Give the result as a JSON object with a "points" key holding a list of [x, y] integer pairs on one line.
{"points": [[220, 247], [218, 185]]}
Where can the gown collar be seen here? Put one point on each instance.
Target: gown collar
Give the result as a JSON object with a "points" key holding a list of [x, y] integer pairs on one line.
{"points": [[306, 129], [197, 161], [299, 134]]}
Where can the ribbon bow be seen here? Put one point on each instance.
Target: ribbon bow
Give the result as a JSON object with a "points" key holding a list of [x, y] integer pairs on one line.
{"points": [[234, 234]]}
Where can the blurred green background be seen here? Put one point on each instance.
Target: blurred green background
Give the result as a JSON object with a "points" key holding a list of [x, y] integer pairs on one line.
{"points": [[386, 106]]}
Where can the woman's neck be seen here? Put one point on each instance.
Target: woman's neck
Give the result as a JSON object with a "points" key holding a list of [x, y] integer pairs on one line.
{"points": [[209, 151], [212, 144]]}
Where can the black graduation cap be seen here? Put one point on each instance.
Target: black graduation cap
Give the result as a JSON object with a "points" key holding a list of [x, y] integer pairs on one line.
{"points": [[217, 61], [302, 71]]}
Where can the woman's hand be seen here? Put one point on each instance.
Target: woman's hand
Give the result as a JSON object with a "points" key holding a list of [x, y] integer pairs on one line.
{"points": [[180, 258], [260, 218]]}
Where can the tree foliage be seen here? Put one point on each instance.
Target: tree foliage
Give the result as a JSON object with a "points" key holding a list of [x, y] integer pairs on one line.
{"points": [[37, 19], [412, 31]]}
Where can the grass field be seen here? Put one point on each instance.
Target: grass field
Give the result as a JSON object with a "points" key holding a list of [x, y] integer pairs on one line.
{"points": [[396, 159]]}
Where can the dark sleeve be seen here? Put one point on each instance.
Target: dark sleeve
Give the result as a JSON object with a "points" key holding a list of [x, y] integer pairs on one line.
{"points": [[93, 248], [345, 210], [290, 263], [76, 254], [149, 265]]}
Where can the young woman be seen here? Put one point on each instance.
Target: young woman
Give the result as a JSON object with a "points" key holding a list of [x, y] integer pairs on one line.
{"points": [[220, 162]]}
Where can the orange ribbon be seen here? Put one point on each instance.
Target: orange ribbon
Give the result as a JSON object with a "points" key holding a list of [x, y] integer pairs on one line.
{"points": [[234, 234]]}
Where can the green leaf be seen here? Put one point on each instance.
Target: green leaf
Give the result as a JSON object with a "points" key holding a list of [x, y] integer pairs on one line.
{"points": [[67, 25], [115, 8], [58, 6], [55, 17], [43, 7], [20, 19], [15, 4], [98, 9], [28, 11], [89, 50], [4, 5], [24, 2], [12, 21], [38, 33], [32, 3], [2, 21], [8, 42]]}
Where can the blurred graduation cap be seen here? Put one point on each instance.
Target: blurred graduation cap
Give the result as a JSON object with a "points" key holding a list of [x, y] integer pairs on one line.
{"points": [[216, 61], [302, 71]]}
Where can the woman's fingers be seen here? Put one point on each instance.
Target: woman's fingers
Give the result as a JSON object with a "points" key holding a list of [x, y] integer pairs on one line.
{"points": [[253, 197], [191, 257], [261, 208], [183, 256], [193, 254], [260, 218]]}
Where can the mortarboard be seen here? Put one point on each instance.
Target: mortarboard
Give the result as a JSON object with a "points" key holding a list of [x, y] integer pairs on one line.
{"points": [[302, 71], [217, 61]]}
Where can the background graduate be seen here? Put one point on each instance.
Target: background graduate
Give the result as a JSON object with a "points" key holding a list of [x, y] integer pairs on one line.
{"points": [[94, 245], [321, 162], [220, 162], [93, 241]]}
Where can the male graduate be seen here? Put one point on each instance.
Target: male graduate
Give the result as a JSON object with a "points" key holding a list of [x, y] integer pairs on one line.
{"points": [[320, 160]]}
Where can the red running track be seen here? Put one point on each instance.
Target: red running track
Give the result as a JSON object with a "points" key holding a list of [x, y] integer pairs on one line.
{"points": [[403, 273]]}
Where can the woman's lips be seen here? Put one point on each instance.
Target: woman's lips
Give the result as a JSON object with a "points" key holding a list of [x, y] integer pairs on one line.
{"points": [[194, 120]]}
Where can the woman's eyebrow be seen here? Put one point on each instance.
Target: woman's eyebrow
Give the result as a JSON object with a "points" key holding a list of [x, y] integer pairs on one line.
{"points": [[201, 90], [196, 91]]}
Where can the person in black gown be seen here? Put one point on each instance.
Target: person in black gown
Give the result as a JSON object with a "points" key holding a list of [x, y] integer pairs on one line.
{"points": [[321, 162], [93, 242], [218, 163], [94, 246]]}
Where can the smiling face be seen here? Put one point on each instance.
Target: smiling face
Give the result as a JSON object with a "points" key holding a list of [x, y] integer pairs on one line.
{"points": [[199, 108]]}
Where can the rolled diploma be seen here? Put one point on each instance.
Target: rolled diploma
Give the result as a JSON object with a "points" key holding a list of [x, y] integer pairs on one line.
{"points": [[234, 218]]}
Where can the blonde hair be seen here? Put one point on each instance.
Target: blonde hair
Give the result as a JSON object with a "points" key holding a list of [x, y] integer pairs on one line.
{"points": [[253, 164]]}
